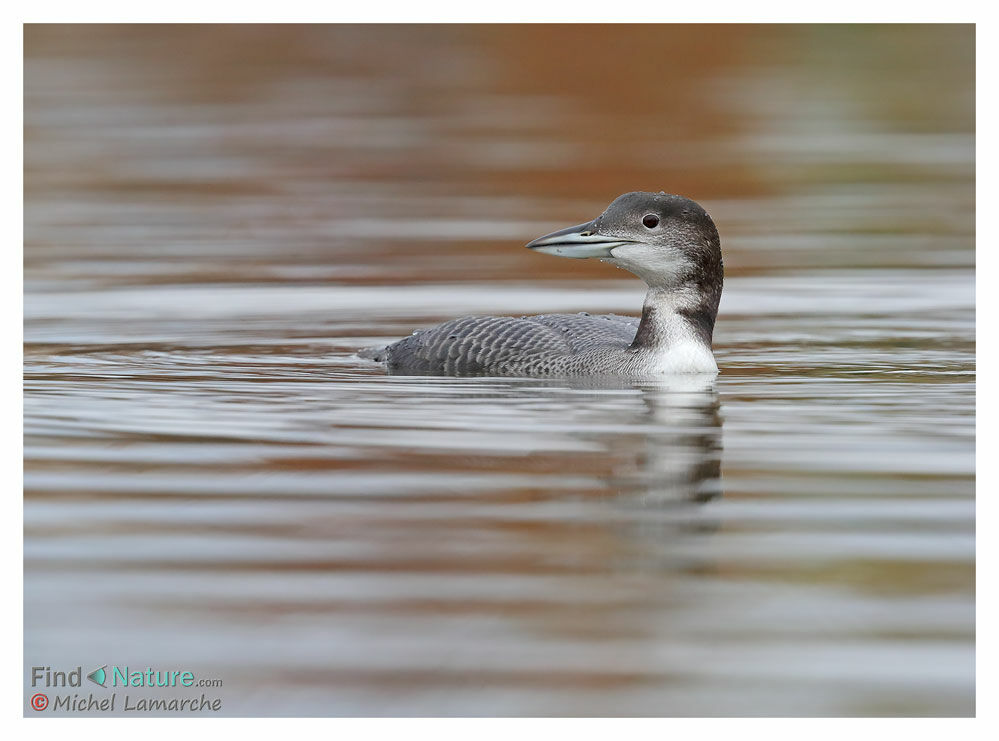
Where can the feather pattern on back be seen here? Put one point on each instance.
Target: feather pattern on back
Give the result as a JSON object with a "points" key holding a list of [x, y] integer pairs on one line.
{"points": [[503, 345]]}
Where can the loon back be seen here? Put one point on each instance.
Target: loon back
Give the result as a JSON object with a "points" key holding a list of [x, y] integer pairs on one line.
{"points": [[548, 344], [669, 241]]}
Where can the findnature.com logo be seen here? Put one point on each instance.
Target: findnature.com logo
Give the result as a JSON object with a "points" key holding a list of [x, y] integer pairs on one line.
{"points": [[125, 677]]}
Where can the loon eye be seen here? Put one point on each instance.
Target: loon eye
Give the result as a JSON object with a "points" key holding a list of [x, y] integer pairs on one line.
{"points": [[650, 221]]}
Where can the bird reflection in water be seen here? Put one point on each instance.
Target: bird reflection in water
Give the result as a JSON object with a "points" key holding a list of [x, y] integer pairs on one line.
{"points": [[681, 459]]}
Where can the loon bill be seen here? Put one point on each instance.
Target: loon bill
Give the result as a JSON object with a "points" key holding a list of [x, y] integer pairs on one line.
{"points": [[668, 241]]}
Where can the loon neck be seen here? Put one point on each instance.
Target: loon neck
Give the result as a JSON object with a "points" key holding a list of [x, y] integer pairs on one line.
{"points": [[673, 318]]}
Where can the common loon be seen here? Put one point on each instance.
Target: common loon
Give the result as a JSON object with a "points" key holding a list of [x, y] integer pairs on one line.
{"points": [[668, 241]]}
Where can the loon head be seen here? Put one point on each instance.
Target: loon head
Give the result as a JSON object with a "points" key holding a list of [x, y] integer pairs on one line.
{"points": [[668, 241]]}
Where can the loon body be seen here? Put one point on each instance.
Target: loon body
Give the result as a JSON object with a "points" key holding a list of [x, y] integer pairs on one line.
{"points": [[669, 241]]}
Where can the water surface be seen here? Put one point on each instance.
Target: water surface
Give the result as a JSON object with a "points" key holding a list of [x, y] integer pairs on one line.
{"points": [[217, 219]]}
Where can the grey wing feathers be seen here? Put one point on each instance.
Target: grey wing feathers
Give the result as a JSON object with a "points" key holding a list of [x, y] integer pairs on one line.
{"points": [[484, 345], [585, 332], [472, 345]]}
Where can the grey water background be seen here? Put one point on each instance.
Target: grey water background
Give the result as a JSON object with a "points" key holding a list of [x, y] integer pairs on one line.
{"points": [[217, 218]]}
